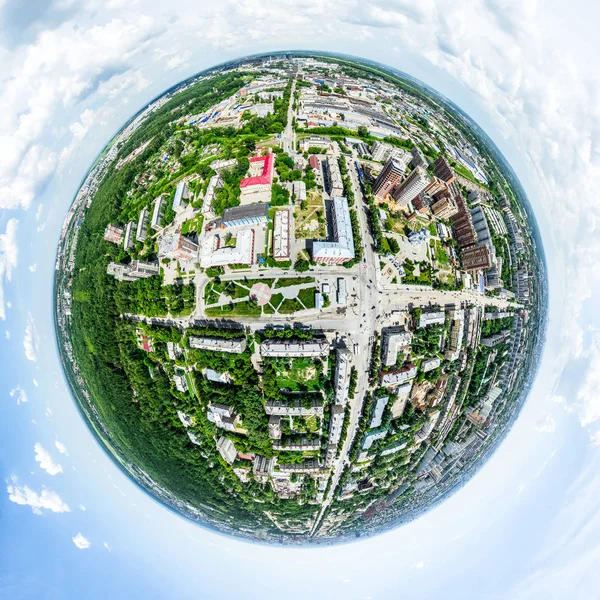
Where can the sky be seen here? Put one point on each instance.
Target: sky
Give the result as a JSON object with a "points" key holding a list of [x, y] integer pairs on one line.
{"points": [[73, 526]]}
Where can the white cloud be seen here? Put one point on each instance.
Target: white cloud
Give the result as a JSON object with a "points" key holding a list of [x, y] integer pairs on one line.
{"points": [[44, 500], [61, 447], [546, 424], [33, 268], [20, 394], [82, 507], [35, 382], [46, 461], [81, 542], [9, 254], [31, 341], [60, 69], [7, 334], [107, 546], [48, 412]]}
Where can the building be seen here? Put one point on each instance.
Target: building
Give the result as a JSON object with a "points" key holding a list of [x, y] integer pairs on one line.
{"points": [[380, 403], [223, 416], [336, 423], [113, 234], [281, 234], [443, 171], [494, 340], [333, 182], [412, 186], [136, 269], [263, 468], [262, 110], [214, 184], [226, 449], [342, 295], [418, 158], [455, 339], [274, 347], [173, 350], [394, 340], [430, 364], [462, 224], [157, 213], [285, 408], [343, 368], [242, 253], [314, 141], [252, 214], [299, 190], [181, 193], [476, 258], [432, 318], [223, 165], [275, 427], [301, 445], [382, 152], [257, 187], [389, 178], [128, 242], [372, 437], [341, 249], [314, 162], [231, 345], [445, 207], [416, 238], [180, 382], [399, 376], [175, 246], [142, 225], [144, 342]]}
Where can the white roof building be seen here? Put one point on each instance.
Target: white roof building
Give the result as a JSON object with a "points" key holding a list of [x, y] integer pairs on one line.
{"points": [[393, 341], [430, 364], [281, 234], [399, 376], [299, 190], [378, 410], [241, 253], [274, 347], [213, 185], [341, 249], [233, 345], [226, 449], [432, 318], [180, 194]]}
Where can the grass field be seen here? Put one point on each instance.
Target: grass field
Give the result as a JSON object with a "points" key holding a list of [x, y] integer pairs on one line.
{"points": [[309, 222]]}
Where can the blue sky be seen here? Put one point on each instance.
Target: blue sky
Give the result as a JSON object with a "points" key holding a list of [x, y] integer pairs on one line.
{"points": [[72, 526]]}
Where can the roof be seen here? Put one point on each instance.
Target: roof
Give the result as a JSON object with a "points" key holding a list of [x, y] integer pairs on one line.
{"points": [[266, 177], [245, 212], [343, 241]]}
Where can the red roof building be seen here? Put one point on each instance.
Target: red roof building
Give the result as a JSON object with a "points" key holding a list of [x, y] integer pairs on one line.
{"points": [[266, 176], [314, 162]]}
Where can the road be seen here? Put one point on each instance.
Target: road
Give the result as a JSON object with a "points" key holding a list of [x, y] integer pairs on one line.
{"points": [[288, 137]]}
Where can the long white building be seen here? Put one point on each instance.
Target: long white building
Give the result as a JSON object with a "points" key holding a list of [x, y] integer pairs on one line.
{"points": [[341, 249]]}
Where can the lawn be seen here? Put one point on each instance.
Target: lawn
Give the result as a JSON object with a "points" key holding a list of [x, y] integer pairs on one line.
{"points": [[239, 309], [287, 282], [309, 217], [307, 297], [290, 305], [300, 374]]}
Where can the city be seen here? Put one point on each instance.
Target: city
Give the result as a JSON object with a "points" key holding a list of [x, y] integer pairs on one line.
{"points": [[313, 289]]}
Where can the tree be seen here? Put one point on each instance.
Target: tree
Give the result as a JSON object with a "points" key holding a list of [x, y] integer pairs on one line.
{"points": [[363, 131], [301, 265]]}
